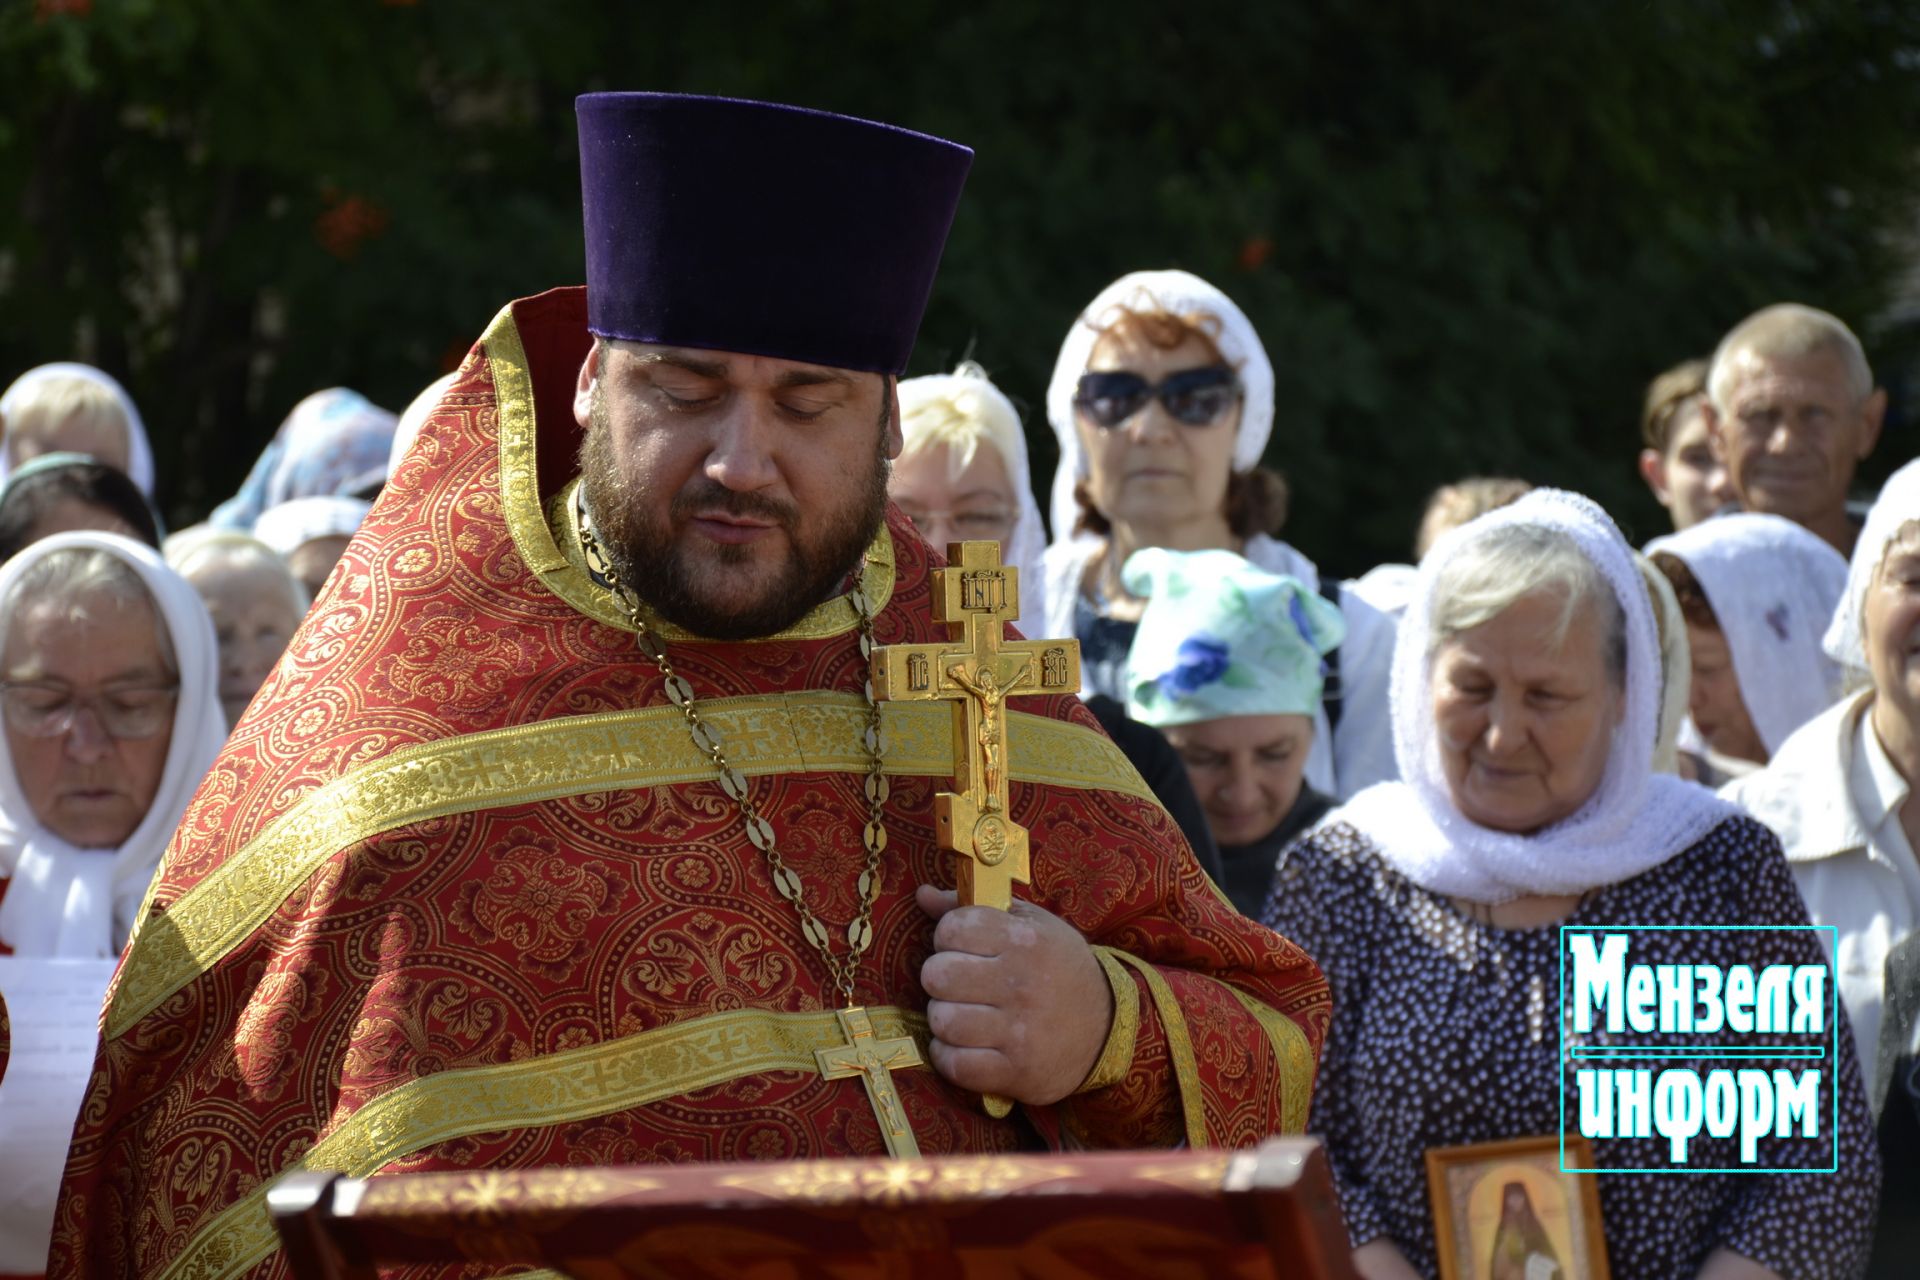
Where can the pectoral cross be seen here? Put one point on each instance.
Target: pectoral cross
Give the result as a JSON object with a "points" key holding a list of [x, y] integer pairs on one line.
{"points": [[977, 671], [874, 1061]]}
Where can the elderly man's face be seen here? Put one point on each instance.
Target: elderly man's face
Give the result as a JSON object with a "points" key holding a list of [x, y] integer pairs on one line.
{"points": [[1525, 724], [1792, 432], [733, 492], [89, 717]]}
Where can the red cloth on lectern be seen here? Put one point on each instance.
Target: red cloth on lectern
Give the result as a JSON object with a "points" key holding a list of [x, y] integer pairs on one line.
{"points": [[328, 992]]}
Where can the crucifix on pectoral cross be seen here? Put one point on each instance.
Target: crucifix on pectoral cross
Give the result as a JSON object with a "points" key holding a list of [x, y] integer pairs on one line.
{"points": [[976, 671], [874, 1061]]}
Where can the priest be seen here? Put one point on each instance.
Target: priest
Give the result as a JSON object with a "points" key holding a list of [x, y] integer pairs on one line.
{"points": [[569, 830]]}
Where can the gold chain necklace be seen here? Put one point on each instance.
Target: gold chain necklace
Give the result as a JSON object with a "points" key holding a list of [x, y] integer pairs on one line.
{"points": [[786, 882]]}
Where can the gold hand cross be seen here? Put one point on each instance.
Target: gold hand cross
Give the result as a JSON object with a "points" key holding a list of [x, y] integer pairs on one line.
{"points": [[977, 671]]}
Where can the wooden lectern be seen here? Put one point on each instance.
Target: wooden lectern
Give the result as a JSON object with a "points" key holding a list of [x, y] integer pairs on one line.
{"points": [[1260, 1214]]}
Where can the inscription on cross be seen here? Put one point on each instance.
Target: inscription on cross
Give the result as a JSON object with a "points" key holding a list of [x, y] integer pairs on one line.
{"points": [[976, 671]]}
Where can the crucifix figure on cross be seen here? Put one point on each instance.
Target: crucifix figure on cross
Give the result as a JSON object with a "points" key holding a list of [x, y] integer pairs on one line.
{"points": [[976, 671], [874, 1060]]}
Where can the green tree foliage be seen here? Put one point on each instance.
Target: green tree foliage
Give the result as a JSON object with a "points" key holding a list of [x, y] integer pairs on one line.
{"points": [[1468, 233]]}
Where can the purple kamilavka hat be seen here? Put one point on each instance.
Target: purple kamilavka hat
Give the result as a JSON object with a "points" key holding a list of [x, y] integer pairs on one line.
{"points": [[759, 228]]}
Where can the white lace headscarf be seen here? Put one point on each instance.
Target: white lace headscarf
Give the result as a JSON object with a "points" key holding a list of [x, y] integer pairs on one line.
{"points": [[996, 422], [1634, 820], [1897, 505], [79, 903], [1773, 587], [139, 448], [1177, 293]]}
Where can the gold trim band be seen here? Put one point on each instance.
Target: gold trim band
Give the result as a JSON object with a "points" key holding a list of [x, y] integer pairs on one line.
{"points": [[1116, 1056], [1292, 1050], [555, 1088], [1186, 1069], [815, 731]]}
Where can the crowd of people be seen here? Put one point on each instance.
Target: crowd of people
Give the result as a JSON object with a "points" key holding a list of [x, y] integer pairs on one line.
{"points": [[1416, 775]]}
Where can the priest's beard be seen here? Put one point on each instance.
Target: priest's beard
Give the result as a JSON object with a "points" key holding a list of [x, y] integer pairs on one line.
{"points": [[643, 533]]}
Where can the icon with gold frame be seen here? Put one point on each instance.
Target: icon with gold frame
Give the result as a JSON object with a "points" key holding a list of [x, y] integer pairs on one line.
{"points": [[1507, 1211]]}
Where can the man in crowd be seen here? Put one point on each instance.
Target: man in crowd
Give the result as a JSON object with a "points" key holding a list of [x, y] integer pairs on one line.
{"points": [[1792, 411], [569, 829]]}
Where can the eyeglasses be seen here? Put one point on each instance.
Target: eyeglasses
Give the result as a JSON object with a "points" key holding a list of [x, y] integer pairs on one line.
{"points": [[986, 524], [127, 712], [1195, 397]]}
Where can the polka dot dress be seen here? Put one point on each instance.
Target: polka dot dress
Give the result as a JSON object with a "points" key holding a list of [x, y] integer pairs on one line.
{"points": [[1446, 1032]]}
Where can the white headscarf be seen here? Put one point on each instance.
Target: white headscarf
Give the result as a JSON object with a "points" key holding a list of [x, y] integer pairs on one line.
{"points": [[1179, 293], [139, 448], [1898, 503], [80, 903], [1028, 542], [291, 525], [1676, 665], [1773, 587], [1634, 821]]}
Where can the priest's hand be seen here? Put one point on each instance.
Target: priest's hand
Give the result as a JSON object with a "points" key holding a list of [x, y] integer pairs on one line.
{"points": [[1018, 1004]]}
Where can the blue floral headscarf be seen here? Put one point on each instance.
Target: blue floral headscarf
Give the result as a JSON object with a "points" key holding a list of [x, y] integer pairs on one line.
{"points": [[334, 443], [1221, 638]]}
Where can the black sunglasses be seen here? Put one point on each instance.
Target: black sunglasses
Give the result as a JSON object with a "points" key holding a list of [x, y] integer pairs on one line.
{"points": [[1196, 397]]}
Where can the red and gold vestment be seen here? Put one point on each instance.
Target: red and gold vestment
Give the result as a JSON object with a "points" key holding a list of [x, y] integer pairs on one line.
{"points": [[460, 892]]}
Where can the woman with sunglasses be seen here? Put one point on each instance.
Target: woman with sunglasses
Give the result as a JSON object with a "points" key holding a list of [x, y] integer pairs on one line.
{"points": [[109, 693], [1162, 402]]}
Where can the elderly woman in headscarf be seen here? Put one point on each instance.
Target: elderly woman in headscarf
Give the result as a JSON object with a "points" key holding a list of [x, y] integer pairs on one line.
{"points": [[962, 475], [1757, 591], [253, 598], [1162, 401], [74, 408], [1840, 793], [1526, 690], [1227, 664], [107, 681], [334, 443]]}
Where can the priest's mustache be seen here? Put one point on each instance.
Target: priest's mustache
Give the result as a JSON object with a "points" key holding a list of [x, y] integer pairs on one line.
{"points": [[709, 497]]}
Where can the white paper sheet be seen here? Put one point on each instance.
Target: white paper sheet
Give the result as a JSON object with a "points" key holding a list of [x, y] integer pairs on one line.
{"points": [[54, 1006]]}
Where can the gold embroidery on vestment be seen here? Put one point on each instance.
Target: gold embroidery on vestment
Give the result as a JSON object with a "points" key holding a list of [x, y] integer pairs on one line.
{"points": [[1116, 1056], [1186, 1069], [1292, 1050], [527, 520], [550, 1089], [817, 731]]}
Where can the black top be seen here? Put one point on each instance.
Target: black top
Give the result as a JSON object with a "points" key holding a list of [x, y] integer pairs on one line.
{"points": [[1160, 765], [1250, 866], [1444, 1033]]}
